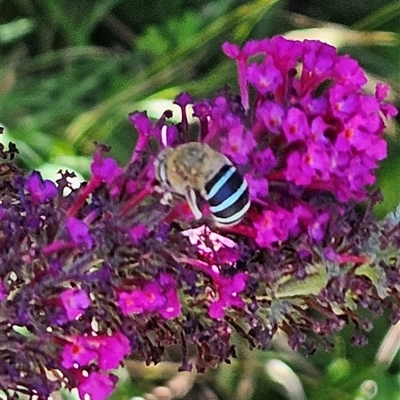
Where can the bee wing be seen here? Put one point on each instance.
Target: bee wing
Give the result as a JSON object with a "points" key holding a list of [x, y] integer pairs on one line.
{"points": [[191, 198]]}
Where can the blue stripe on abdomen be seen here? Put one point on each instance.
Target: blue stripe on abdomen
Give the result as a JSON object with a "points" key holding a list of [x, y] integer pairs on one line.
{"points": [[238, 208], [228, 196], [223, 185], [217, 182]]}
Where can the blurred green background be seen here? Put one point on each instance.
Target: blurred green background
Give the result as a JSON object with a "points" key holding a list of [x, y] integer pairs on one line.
{"points": [[71, 71]]}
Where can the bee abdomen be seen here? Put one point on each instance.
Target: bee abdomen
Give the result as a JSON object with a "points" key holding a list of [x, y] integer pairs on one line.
{"points": [[228, 196]]}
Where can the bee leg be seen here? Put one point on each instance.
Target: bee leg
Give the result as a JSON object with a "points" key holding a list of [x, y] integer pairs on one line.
{"points": [[191, 198], [166, 199]]}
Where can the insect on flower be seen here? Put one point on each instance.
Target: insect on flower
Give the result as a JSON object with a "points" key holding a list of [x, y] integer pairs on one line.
{"points": [[195, 168]]}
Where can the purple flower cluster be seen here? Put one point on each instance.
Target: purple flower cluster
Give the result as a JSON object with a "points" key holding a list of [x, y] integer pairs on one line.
{"points": [[158, 297], [115, 268], [106, 351], [313, 129]]}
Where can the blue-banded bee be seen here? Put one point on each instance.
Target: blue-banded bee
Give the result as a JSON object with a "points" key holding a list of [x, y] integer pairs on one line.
{"points": [[195, 168]]}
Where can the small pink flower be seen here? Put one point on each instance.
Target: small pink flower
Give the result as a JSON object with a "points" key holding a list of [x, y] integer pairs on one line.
{"points": [[97, 385], [272, 115], [126, 302], [206, 240], [172, 307], [318, 227], [143, 300], [78, 352], [238, 144], [295, 125], [142, 123], [274, 226], [105, 168], [112, 350], [79, 232], [39, 189], [160, 297], [299, 170], [75, 302], [259, 187], [106, 351], [183, 99], [343, 101], [265, 77], [228, 294]]}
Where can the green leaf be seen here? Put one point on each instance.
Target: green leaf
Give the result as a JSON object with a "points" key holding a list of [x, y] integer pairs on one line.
{"points": [[15, 30]]}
